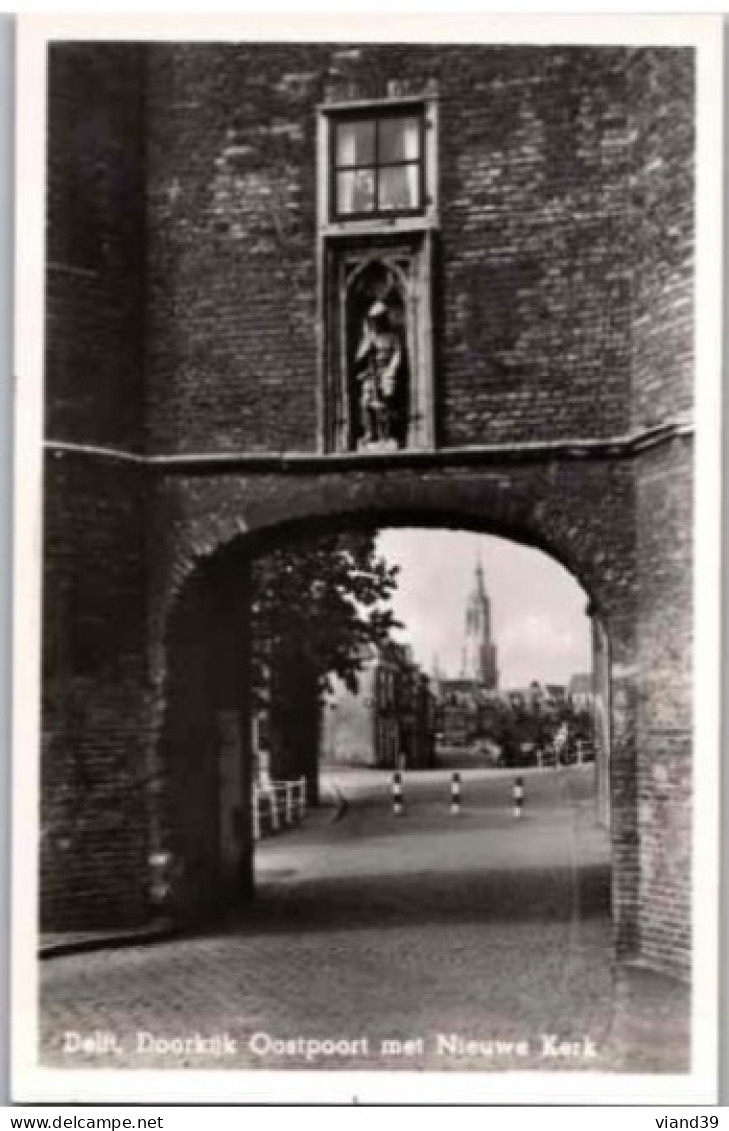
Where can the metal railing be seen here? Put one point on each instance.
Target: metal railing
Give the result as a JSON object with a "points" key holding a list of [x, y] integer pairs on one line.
{"points": [[557, 756], [277, 804]]}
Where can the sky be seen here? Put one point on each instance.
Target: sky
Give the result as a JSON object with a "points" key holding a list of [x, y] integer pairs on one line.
{"points": [[538, 616]]}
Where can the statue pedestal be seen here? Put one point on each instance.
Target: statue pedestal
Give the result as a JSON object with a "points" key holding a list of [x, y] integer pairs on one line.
{"points": [[377, 446]]}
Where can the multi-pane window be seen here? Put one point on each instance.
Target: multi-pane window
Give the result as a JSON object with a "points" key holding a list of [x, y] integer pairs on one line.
{"points": [[378, 165]]}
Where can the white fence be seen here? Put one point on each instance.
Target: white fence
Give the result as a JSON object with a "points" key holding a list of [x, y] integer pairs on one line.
{"points": [[557, 754], [277, 804]]}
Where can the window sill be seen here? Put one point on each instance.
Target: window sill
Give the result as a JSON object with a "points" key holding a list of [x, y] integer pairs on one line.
{"points": [[379, 227]]}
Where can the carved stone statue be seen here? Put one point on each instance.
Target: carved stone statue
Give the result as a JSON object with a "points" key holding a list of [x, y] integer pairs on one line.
{"points": [[378, 369]]}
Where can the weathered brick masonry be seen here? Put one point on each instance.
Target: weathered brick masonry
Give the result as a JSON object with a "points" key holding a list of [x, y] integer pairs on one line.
{"points": [[664, 722], [95, 247], [95, 699], [95, 670], [182, 323], [662, 367], [533, 313]]}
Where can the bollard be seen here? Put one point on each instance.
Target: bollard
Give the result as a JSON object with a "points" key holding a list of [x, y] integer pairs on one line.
{"points": [[289, 802], [518, 796], [397, 793], [302, 798], [455, 794]]}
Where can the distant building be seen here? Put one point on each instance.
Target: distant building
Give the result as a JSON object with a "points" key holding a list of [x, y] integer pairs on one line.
{"points": [[389, 722], [465, 711], [581, 691], [556, 693], [537, 697], [532, 698]]}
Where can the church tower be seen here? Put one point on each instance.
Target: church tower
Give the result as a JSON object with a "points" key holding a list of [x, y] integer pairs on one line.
{"points": [[479, 661]]}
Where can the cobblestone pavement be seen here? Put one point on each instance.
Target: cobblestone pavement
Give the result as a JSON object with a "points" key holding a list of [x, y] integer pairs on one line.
{"points": [[429, 930]]}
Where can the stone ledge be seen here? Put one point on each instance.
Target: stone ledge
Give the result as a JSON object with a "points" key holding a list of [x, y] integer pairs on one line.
{"points": [[613, 447]]}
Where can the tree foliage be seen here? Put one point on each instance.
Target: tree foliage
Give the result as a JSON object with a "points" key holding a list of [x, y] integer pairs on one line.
{"points": [[319, 605]]}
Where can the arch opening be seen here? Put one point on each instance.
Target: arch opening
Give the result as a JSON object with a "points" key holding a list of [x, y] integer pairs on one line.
{"points": [[223, 748], [472, 684]]}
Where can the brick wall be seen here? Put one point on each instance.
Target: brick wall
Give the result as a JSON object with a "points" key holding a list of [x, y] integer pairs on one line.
{"points": [[95, 703], [665, 626], [532, 305], [662, 133], [95, 246], [550, 505], [94, 691], [661, 85]]}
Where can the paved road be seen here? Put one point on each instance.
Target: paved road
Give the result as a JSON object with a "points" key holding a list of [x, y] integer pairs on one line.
{"points": [[469, 942]]}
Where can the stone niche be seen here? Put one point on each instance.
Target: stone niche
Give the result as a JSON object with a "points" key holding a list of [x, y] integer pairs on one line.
{"points": [[378, 332]]}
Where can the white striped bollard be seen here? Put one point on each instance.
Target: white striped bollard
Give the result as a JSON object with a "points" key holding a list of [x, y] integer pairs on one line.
{"points": [[455, 794], [518, 796], [397, 793], [302, 798]]}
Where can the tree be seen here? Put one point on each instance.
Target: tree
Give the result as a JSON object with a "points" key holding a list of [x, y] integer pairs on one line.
{"points": [[317, 609]]}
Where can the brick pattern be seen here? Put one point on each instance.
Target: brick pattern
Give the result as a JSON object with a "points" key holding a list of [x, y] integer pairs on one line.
{"points": [[535, 214], [547, 505], [95, 702], [662, 131], [665, 626], [662, 196], [665, 814], [95, 246], [232, 283], [531, 311]]}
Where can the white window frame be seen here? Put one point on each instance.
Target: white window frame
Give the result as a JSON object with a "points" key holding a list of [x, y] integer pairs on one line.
{"points": [[328, 115]]}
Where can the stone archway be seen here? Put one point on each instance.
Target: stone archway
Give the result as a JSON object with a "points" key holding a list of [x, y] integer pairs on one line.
{"points": [[217, 530]]}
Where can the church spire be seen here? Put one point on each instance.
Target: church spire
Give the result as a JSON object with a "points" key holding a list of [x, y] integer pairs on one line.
{"points": [[480, 651], [480, 583]]}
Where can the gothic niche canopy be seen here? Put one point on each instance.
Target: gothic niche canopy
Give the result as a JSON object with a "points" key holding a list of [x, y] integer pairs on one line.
{"points": [[378, 336]]}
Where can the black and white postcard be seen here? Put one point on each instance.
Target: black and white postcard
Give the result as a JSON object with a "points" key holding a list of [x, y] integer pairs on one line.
{"points": [[366, 645]]}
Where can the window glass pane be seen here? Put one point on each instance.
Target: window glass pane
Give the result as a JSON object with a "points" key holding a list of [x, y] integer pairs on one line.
{"points": [[356, 191], [399, 187], [399, 139], [355, 143]]}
